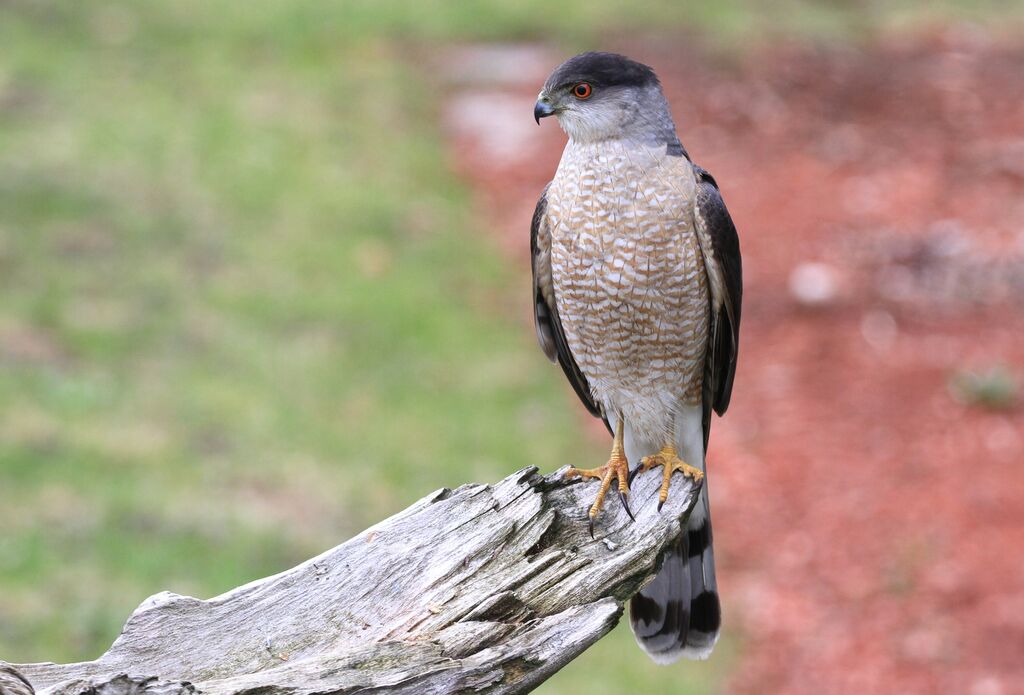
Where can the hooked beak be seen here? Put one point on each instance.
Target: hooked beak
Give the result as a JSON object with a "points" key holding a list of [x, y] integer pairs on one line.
{"points": [[542, 109]]}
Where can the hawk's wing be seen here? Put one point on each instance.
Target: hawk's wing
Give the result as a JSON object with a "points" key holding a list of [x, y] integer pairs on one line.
{"points": [[545, 312], [721, 247]]}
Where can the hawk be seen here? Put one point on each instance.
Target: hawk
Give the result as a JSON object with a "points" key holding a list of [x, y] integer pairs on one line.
{"points": [[637, 287]]}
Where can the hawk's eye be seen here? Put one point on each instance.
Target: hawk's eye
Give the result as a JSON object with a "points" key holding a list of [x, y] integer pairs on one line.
{"points": [[582, 91]]}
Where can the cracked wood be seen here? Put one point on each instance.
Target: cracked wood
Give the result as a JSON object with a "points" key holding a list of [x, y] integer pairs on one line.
{"points": [[492, 588]]}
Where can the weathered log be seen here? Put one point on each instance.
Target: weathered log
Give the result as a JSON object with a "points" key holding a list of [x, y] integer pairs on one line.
{"points": [[483, 589]]}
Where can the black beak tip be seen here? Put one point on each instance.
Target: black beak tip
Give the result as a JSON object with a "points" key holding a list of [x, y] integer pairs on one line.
{"points": [[541, 110]]}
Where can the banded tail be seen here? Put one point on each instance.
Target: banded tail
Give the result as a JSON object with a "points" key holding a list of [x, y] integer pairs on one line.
{"points": [[678, 614]]}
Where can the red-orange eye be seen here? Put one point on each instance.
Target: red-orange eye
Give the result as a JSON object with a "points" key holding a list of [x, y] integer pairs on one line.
{"points": [[582, 91]]}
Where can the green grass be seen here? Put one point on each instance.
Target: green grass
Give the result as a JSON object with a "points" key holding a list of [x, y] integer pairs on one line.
{"points": [[244, 310]]}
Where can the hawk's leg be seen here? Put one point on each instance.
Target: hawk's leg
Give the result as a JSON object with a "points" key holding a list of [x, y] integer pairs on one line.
{"points": [[670, 462], [617, 468]]}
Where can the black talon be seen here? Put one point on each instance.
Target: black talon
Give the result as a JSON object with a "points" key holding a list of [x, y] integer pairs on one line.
{"points": [[590, 525], [625, 503], [660, 505]]}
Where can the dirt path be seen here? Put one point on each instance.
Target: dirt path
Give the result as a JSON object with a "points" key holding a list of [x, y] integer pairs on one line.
{"points": [[889, 558]]}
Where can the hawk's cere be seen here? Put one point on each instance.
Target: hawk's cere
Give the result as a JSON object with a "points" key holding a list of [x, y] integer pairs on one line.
{"points": [[637, 289]]}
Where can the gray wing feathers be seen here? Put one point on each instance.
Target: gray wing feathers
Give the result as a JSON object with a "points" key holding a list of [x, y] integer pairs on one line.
{"points": [[721, 247], [540, 252]]}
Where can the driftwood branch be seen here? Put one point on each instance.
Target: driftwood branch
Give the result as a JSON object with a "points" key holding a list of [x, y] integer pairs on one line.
{"points": [[484, 589]]}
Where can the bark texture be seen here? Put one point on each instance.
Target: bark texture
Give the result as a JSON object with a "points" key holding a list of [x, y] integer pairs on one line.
{"points": [[481, 589]]}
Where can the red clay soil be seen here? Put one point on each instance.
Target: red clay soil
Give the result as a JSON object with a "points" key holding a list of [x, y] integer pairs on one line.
{"points": [[869, 523]]}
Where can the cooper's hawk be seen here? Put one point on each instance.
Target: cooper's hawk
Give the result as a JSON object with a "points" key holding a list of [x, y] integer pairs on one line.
{"points": [[637, 288]]}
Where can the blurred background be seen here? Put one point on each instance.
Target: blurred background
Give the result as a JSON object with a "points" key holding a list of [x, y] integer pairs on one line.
{"points": [[265, 281]]}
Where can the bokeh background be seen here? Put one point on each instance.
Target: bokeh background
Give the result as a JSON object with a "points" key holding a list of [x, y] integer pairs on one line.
{"points": [[264, 279]]}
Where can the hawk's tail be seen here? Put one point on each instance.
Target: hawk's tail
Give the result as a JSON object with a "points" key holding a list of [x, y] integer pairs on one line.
{"points": [[678, 614]]}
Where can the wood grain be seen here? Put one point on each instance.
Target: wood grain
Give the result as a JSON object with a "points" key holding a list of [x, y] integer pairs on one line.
{"points": [[487, 588]]}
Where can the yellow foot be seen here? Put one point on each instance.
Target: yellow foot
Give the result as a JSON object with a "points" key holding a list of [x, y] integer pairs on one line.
{"points": [[616, 469], [670, 462]]}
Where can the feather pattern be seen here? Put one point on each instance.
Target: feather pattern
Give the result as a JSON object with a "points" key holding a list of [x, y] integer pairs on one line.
{"points": [[721, 248], [548, 325], [637, 295], [679, 613]]}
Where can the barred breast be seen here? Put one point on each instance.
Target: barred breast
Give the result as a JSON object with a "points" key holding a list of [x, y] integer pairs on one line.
{"points": [[629, 278]]}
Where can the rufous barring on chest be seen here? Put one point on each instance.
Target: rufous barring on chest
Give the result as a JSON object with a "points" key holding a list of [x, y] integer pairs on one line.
{"points": [[629, 278]]}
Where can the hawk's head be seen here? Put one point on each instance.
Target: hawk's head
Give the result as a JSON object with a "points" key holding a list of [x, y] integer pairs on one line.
{"points": [[605, 96]]}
